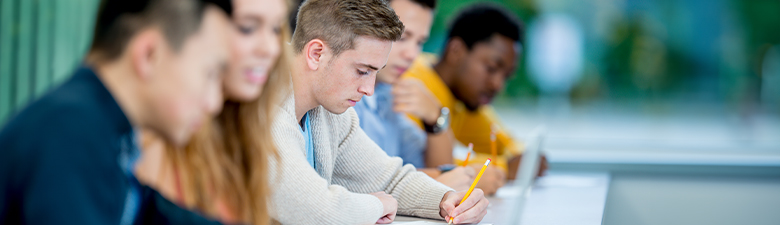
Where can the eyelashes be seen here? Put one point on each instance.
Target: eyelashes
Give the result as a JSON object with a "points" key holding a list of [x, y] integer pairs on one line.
{"points": [[247, 30]]}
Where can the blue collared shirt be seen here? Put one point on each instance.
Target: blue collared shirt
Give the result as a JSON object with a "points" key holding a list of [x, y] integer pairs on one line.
{"points": [[393, 132], [306, 132], [128, 157]]}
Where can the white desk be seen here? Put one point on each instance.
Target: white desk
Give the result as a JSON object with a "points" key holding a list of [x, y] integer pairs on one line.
{"points": [[557, 198]]}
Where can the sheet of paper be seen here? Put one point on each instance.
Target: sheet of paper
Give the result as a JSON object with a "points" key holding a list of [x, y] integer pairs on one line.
{"points": [[427, 223]]}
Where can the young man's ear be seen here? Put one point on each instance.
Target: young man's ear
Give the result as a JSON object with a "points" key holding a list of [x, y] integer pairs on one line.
{"points": [[314, 51], [456, 51], [144, 50]]}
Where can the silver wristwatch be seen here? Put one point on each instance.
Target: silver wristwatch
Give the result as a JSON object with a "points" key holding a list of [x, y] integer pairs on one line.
{"points": [[441, 124]]}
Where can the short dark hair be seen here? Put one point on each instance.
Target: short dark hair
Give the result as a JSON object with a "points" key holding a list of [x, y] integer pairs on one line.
{"points": [[339, 22], [478, 22], [119, 20], [429, 4]]}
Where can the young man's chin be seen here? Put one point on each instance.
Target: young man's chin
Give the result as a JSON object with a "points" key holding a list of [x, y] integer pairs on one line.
{"points": [[337, 110]]}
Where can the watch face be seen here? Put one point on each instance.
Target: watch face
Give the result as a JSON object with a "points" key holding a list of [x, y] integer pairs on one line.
{"points": [[440, 121], [444, 117]]}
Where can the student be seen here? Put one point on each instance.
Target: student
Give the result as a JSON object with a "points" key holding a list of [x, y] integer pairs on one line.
{"points": [[481, 51], [329, 171], [68, 156], [392, 130], [222, 171]]}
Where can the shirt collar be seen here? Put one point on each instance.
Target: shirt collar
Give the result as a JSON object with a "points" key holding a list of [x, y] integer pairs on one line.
{"points": [[106, 100]]}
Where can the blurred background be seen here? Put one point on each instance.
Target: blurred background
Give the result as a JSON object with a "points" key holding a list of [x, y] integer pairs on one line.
{"points": [[672, 97], [695, 81]]}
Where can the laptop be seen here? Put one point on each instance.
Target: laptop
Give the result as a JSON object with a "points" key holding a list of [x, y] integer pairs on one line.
{"points": [[526, 173]]}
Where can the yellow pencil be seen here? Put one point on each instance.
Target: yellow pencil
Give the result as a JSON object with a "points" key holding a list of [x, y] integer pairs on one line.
{"points": [[474, 184], [466, 161], [493, 144]]}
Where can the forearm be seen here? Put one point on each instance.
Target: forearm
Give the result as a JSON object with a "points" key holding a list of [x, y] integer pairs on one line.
{"points": [[417, 194], [431, 172], [301, 196], [439, 149], [361, 166]]}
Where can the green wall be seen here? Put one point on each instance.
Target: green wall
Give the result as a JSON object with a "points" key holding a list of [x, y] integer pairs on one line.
{"points": [[41, 42]]}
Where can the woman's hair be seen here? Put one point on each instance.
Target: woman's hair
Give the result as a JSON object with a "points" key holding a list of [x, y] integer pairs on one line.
{"points": [[225, 165]]}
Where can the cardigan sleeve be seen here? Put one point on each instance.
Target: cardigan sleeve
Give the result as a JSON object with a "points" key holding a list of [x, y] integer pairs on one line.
{"points": [[301, 196], [361, 166]]}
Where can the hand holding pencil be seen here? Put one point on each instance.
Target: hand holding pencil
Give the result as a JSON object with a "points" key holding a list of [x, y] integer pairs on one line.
{"points": [[465, 206]]}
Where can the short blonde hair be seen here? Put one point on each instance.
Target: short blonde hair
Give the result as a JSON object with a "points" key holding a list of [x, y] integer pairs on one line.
{"points": [[339, 22]]}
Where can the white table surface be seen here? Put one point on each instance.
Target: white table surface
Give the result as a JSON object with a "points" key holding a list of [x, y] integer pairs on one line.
{"points": [[557, 198]]}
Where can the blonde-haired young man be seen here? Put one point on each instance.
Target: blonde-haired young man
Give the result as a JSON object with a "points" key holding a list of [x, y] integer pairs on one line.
{"points": [[329, 171]]}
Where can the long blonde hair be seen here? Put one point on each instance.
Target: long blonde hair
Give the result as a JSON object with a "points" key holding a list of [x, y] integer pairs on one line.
{"points": [[227, 160]]}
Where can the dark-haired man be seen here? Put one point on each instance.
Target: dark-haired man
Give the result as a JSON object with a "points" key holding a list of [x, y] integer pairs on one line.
{"points": [[480, 54], [68, 157]]}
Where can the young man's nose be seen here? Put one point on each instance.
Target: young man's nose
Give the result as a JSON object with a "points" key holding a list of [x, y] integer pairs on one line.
{"points": [[367, 88]]}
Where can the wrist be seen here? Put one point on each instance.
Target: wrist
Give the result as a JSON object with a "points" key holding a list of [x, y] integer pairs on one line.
{"points": [[442, 212], [432, 116], [440, 124], [446, 168]]}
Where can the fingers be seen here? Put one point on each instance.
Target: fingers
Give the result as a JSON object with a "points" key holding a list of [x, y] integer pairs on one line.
{"points": [[407, 82], [473, 213], [472, 216], [472, 200], [465, 171], [449, 203], [404, 108], [543, 166], [489, 188], [402, 88], [392, 215], [389, 204], [402, 92], [470, 172], [384, 220], [406, 100], [500, 173], [471, 209], [408, 87], [490, 181], [500, 176]]}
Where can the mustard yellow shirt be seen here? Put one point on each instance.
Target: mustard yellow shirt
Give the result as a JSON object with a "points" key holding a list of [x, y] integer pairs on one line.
{"points": [[469, 127]]}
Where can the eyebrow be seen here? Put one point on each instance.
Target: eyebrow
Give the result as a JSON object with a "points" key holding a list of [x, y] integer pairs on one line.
{"points": [[250, 18], [370, 66]]}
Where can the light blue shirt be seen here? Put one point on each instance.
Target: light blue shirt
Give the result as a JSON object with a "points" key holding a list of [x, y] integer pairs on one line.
{"points": [[306, 131], [128, 156], [395, 133]]}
